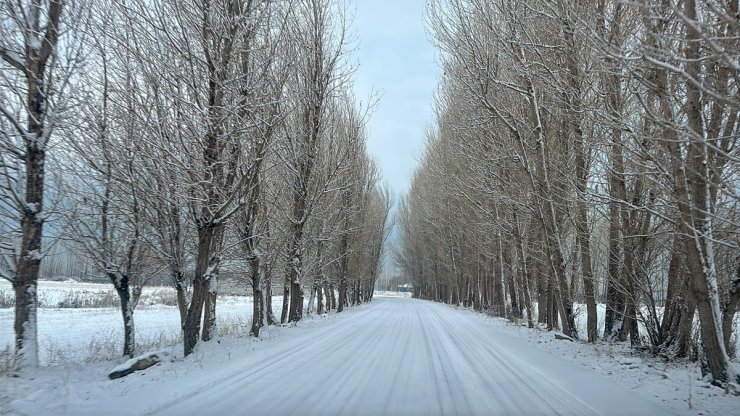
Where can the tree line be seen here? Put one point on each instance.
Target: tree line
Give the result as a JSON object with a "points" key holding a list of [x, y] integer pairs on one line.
{"points": [[583, 153], [186, 139]]}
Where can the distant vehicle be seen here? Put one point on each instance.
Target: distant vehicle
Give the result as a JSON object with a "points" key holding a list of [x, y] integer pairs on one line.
{"points": [[405, 288]]}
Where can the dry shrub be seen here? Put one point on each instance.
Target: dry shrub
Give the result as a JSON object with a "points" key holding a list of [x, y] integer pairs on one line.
{"points": [[7, 362], [7, 299], [165, 297], [233, 326], [86, 299]]}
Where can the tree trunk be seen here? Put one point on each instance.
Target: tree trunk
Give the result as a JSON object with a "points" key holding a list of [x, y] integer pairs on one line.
{"points": [[675, 305], [258, 308], [205, 264], [629, 327], [296, 296], [588, 283], [209, 312], [286, 299], [209, 315], [505, 259], [320, 298], [40, 45], [615, 298], [582, 234], [32, 223], [127, 312], [612, 81], [312, 297], [695, 209], [728, 314], [358, 293], [342, 295], [182, 299], [729, 309], [550, 222], [25, 286], [294, 272], [542, 296], [343, 270], [332, 295], [524, 272], [269, 315]]}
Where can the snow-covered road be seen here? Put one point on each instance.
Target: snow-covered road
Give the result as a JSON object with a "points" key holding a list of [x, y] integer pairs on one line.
{"points": [[401, 356]]}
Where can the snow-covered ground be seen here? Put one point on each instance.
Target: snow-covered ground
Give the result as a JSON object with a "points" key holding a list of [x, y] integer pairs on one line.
{"points": [[676, 386], [69, 336], [392, 356], [581, 321], [52, 293], [388, 293]]}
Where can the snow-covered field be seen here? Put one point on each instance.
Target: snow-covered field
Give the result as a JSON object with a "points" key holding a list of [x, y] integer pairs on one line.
{"points": [[53, 294], [393, 356], [69, 336]]}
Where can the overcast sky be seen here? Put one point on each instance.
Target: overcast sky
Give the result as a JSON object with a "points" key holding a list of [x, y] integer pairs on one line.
{"points": [[395, 59]]}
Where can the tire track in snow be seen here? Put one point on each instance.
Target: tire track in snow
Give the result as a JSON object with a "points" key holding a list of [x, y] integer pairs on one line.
{"points": [[521, 395], [400, 356], [284, 352]]}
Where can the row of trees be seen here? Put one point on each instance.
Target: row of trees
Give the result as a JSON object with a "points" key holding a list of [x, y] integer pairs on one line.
{"points": [[186, 138], [585, 152]]}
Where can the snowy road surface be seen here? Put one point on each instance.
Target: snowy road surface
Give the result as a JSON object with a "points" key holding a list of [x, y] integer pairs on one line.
{"points": [[401, 356]]}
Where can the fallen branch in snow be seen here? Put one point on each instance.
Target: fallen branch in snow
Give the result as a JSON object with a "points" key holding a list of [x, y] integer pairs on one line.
{"points": [[631, 362], [142, 362], [563, 337]]}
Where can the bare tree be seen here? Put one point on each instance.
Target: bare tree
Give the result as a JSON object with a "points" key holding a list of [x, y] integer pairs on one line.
{"points": [[319, 39], [36, 71], [612, 142], [106, 208], [264, 76]]}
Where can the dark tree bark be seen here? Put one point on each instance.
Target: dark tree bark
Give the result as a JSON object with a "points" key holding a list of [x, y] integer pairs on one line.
{"points": [[286, 299], [524, 271], [258, 308], [615, 295], [729, 309], [343, 271], [320, 299], [40, 46], [575, 111], [181, 291], [295, 266], [270, 317], [121, 284], [209, 242], [333, 296], [675, 331]]}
